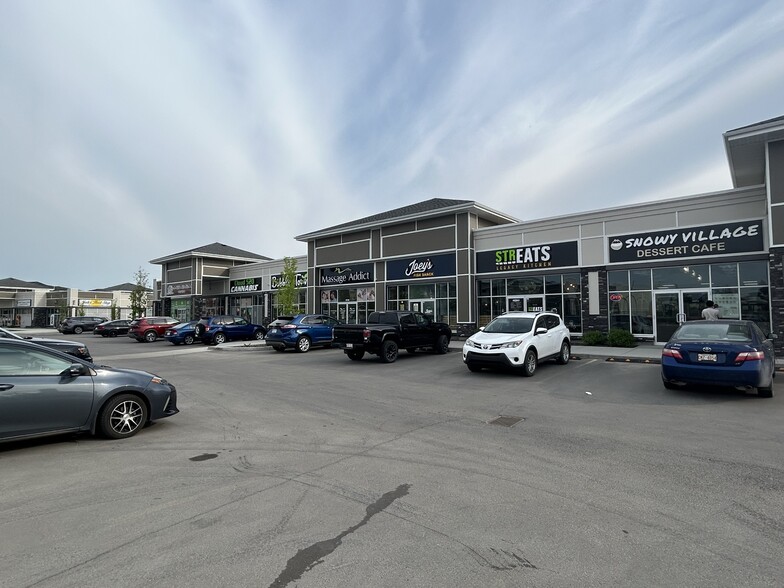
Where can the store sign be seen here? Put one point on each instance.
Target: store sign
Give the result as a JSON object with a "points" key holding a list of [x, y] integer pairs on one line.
{"points": [[179, 289], [93, 303], [277, 281], [348, 274], [245, 285], [527, 258], [24, 302], [616, 297], [691, 242], [425, 266]]}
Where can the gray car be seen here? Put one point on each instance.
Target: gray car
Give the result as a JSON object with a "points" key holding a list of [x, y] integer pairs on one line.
{"points": [[45, 392]]}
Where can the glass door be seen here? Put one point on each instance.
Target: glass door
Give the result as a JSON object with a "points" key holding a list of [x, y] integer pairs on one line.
{"points": [[525, 303], [427, 307], [347, 312], [674, 307]]}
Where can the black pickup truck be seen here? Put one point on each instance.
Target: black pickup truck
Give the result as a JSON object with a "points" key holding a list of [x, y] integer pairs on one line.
{"points": [[386, 332]]}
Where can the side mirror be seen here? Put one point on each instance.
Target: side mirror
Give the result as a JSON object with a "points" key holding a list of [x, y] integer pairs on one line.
{"points": [[773, 336], [74, 370], [481, 328], [540, 331]]}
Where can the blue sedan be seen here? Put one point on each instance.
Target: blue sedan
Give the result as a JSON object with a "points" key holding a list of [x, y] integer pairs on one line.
{"points": [[720, 353], [181, 333], [301, 332]]}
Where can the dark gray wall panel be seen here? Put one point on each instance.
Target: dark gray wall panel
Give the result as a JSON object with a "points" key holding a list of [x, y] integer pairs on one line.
{"points": [[777, 220], [464, 299], [328, 241], [358, 236], [178, 275], [776, 171], [375, 241], [432, 223], [342, 253], [421, 242], [397, 229], [462, 231]]}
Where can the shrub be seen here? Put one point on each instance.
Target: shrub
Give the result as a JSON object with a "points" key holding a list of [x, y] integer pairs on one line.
{"points": [[621, 338], [594, 338]]}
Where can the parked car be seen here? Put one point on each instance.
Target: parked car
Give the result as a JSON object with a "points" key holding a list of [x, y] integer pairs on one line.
{"points": [[149, 328], [79, 324], [74, 348], [301, 332], [112, 328], [215, 330], [45, 392], [520, 341], [181, 333], [388, 331], [720, 353]]}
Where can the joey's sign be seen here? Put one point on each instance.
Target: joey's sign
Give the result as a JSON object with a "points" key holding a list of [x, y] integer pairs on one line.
{"points": [[424, 266], [707, 240], [527, 258]]}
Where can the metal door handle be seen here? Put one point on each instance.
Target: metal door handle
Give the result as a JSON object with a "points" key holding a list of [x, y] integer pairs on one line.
{"points": [[6, 387]]}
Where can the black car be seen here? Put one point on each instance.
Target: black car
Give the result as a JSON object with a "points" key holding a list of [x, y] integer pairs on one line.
{"points": [[79, 324], [74, 348], [45, 392], [112, 328]]}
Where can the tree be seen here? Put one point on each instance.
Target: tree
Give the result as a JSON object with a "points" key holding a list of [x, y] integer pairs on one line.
{"points": [[139, 294], [288, 293]]}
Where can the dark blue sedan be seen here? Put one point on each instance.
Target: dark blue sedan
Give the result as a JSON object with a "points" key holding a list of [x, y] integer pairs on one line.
{"points": [[732, 353], [181, 333], [301, 332]]}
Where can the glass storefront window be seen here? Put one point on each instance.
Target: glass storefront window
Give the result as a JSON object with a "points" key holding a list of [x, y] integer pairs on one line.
{"points": [[753, 273], [619, 312], [724, 274], [483, 287], [572, 315], [485, 313], [640, 279], [392, 293], [527, 285], [499, 306], [554, 304], [728, 301], [686, 276], [499, 287], [552, 284], [442, 291], [571, 283], [755, 306], [641, 313], [617, 280], [421, 291]]}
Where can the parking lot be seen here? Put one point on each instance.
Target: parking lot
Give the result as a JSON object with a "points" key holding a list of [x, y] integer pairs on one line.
{"points": [[287, 469]]}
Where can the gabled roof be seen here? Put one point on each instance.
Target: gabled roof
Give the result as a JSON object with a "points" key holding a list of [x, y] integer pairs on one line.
{"points": [[214, 250], [14, 283], [426, 208], [746, 150], [126, 287]]}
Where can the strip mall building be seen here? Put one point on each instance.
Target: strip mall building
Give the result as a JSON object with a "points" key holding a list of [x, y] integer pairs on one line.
{"points": [[643, 267]]}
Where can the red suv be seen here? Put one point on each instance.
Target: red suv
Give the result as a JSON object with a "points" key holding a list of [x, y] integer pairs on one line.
{"points": [[149, 328]]}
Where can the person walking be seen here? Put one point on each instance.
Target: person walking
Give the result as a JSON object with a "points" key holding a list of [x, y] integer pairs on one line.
{"points": [[710, 312]]}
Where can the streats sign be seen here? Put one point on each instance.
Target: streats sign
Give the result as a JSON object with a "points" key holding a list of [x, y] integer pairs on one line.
{"points": [[530, 257], [346, 274], [707, 240], [245, 285], [424, 266], [277, 281]]}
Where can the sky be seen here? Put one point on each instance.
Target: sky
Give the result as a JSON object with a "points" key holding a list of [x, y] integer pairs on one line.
{"points": [[131, 130]]}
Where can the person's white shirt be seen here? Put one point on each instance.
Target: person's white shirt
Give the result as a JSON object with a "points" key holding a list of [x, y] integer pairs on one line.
{"points": [[710, 313]]}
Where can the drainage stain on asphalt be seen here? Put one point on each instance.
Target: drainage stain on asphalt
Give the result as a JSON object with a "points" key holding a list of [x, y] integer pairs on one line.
{"points": [[203, 457], [306, 559]]}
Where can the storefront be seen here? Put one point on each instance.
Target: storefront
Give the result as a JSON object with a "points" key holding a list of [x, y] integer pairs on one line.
{"points": [[347, 293], [426, 284]]}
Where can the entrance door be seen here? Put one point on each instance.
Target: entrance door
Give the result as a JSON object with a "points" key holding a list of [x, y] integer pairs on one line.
{"points": [[525, 303], [427, 307], [674, 307], [347, 312]]}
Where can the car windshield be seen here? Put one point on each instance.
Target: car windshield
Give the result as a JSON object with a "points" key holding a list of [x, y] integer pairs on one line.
{"points": [[713, 331], [9, 335], [510, 325]]}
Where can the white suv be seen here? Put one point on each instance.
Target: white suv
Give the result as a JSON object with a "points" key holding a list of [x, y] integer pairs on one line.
{"points": [[519, 340]]}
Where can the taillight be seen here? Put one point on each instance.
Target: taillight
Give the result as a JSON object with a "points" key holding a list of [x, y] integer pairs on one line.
{"points": [[366, 334], [288, 327], [674, 353], [749, 356]]}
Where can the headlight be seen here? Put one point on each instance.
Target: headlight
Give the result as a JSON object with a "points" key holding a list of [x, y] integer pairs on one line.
{"points": [[472, 343], [512, 344], [157, 380]]}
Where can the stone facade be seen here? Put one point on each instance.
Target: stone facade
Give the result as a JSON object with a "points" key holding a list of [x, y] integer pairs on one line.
{"points": [[595, 322], [776, 269]]}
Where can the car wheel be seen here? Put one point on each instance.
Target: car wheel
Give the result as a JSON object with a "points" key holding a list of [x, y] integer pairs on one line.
{"points": [[78, 330], [150, 336], [280, 348], [389, 351], [258, 335], [566, 352], [188, 339], [219, 338], [355, 355], [529, 363], [303, 344], [473, 368], [442, 344], [122, 416], [112, 334]]}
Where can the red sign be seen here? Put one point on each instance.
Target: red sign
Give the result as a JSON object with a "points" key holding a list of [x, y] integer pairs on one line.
{"points": [[616, 297]]}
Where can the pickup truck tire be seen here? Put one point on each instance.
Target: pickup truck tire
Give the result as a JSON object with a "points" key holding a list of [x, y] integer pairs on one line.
{"points": [[303, 344], [355, 355], [389, 351], [442, 344]]}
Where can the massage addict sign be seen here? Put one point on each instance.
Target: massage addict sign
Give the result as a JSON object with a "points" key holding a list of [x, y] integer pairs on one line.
{"points": [[738, 237]]}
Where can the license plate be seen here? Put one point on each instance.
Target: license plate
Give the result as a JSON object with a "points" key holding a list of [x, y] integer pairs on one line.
{"points": [[706, 357], [349, 345]]}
